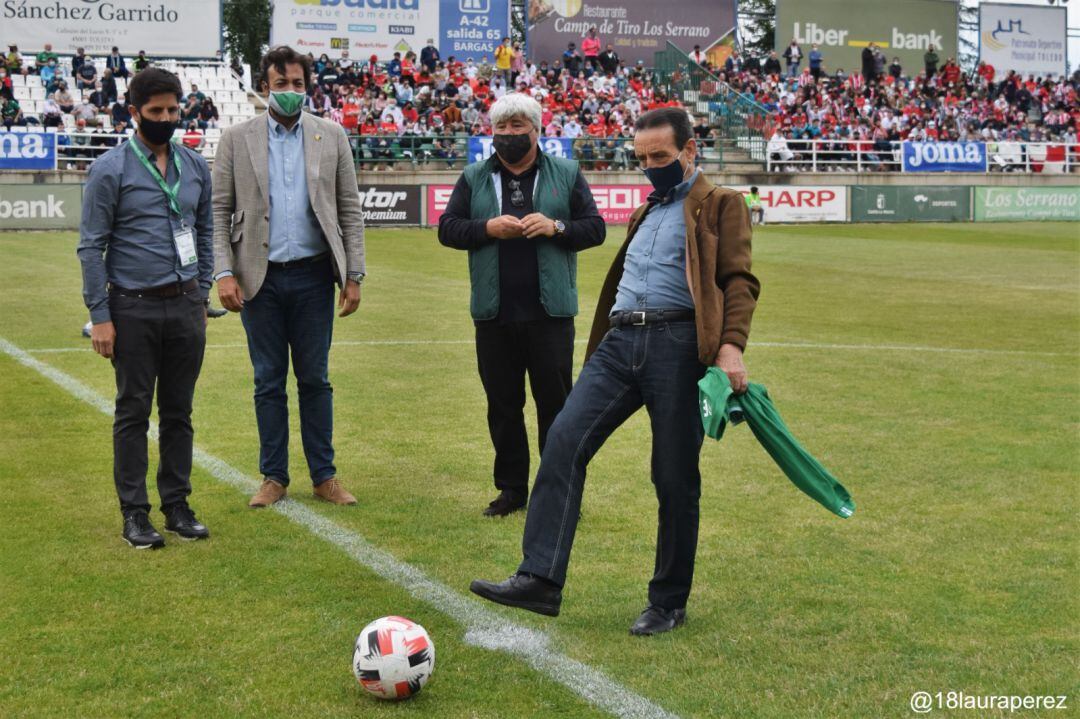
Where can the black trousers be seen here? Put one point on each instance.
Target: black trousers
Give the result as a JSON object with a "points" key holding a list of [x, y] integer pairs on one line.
{"points": [[505, 352], [159, 345]]}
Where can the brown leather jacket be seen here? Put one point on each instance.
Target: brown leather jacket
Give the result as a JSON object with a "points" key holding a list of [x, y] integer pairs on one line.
{"points": [[725, 292]]}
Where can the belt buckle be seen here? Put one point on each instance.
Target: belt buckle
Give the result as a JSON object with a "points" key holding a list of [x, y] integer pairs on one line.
{"points": [[634, 321]]}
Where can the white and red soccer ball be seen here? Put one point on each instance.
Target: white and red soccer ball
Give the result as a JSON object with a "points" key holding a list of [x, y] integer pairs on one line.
{"points": [[393, 658]]}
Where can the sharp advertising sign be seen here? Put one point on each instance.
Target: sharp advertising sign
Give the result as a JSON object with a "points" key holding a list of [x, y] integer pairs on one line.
{"points": [[801, 203], [1027, 38], [164, 28], [636, 29], [842, 29], [462, 28]]}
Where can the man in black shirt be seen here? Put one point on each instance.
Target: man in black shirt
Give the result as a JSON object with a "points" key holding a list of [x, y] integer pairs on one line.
{"points": [[522, 215], [609, 60]]}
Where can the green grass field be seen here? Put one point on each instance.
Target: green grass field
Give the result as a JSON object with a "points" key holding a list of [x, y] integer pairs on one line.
{"points": [[935, 369]]}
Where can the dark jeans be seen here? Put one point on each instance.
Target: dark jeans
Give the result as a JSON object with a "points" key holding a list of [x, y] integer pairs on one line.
{"points": [[504, 353], [293, 312], [656, 366], [159, 342]]}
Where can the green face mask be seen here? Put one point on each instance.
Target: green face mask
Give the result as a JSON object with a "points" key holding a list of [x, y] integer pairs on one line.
{"points": [[287, 104]]}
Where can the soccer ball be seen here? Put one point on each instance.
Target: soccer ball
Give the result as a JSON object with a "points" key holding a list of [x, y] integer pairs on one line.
{"points": [[393, 658]]}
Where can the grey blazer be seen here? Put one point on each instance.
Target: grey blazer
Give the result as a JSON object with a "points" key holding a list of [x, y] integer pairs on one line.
{"points": [[242, 202]]}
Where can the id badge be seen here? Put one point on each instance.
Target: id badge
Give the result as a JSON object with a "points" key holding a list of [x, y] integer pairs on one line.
{"points": [[185, 246]]}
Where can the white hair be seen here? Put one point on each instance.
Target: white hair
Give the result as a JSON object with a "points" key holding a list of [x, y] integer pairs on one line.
{"points": [[516, 104]]}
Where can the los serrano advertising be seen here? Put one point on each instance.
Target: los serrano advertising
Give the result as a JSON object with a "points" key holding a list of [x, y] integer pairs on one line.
{"points": [[636, 29], [1011, 204]]}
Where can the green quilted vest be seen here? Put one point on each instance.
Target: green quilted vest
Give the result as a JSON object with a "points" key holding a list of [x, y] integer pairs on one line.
{"points": [[555, 179]]}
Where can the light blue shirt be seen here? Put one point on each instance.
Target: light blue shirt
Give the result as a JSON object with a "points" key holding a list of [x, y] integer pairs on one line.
{"points": [[294, 230], [654, 273]]}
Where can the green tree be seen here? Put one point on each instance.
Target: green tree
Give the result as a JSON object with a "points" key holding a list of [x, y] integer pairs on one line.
{"points": [[247, 29], [757, 26]]}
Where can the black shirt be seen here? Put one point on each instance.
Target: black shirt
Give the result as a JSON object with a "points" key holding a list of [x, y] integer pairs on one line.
{"points": [[519, 268]]}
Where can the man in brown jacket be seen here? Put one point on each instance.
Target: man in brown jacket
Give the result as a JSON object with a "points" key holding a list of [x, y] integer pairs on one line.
{"points": [[678, 298]]}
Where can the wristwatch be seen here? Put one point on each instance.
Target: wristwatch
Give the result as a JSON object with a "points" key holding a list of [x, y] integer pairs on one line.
{"points": [[357, 277], [560, 228]]}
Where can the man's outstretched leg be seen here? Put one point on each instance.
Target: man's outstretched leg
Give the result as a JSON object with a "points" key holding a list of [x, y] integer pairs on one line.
{"points": [[604, 397]]}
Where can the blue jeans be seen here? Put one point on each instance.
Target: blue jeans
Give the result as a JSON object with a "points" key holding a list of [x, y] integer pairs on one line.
{"points": [[293, 311], [656, 366]]}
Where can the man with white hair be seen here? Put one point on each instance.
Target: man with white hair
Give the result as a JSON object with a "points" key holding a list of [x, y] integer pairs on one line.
{"points": [[523, 216]]}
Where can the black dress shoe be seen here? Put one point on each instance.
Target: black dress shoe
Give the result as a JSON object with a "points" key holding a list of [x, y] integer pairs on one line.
{"points": [[139, 533], [523, 591], [506, 503], [180, 520], [215, 312], [657, 620]]}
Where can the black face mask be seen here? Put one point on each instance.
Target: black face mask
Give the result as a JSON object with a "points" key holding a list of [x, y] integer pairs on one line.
{"points": [[512, 149], [665, 178], [158, 132]]}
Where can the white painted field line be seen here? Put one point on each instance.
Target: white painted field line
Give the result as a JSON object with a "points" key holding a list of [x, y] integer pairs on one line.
{"points": [[753, 344], [483, 627]]}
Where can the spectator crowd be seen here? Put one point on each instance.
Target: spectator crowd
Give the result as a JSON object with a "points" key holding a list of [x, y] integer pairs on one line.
{"points": [[414, 105], [868, 109], [415, 102]]}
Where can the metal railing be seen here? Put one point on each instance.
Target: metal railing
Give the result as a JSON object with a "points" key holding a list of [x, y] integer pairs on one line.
{"points": [[452, 152], [77, 149], [883, 156], [739, 117]]}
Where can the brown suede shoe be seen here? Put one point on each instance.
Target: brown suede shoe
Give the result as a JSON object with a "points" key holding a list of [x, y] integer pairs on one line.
{"points": [[332, 491], [268, 493]]}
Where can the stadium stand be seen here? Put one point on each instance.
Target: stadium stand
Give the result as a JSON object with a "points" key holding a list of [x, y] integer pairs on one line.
{"points": [[93, 117], [407, 112]]}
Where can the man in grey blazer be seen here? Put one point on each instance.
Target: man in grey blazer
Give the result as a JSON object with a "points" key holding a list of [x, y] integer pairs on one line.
{"points": [[288, 227]]}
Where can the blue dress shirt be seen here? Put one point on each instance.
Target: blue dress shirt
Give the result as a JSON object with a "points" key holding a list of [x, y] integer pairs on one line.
{"points": [[654, 273], [294, 230], [126, 232]]}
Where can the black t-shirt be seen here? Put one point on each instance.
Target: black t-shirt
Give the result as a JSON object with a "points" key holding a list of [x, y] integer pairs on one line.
{"points": [[519, 268]]}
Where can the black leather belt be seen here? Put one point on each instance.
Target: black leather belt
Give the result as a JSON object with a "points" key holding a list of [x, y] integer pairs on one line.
{"points": [[174, 289], [648, 317], [299, 263]]}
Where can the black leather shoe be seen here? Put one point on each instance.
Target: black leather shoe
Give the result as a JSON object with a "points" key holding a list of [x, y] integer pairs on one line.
{"points": [[180, 520], [139, 533], [657, 620], [506, 503], [215, 312], [523, 591]]}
